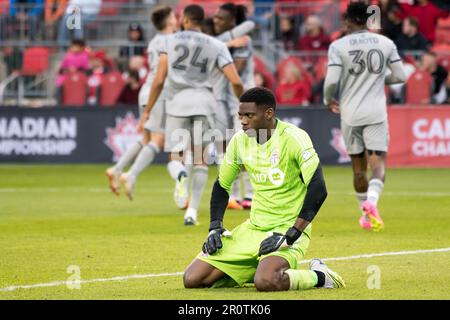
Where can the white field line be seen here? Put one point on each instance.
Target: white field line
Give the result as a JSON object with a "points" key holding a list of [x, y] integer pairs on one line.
{"points": [[155, 275], [165, 190]]}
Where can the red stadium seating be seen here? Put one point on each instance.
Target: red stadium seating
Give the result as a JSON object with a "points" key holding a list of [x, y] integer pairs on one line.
{"points": [[35, 61], [261, 67], [110, 88], [445, 61], [418, 88], [74, 89]]}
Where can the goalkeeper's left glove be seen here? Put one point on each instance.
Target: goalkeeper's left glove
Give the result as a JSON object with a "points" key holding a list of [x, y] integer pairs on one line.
{"points": [[278, 240]]}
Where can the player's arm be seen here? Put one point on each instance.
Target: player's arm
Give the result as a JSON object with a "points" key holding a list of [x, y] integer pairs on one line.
{"points": [[332, 78], [397, 74], [232, 75], [156, 88], [219, 198], [236, 37]]}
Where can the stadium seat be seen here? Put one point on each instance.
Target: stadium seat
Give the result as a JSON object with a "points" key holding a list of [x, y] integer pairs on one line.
{"points": [[74, 89], [35, 61], [418, 88], [444, 61], [110, 88], [320, 68], [111, 7]]}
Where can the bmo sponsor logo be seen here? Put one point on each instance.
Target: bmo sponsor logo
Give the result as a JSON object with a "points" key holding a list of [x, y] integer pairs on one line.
{"points": [[38, 136], [432, 137]]}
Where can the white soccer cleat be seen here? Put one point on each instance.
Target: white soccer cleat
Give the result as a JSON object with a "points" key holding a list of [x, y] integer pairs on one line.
{"points": [[113, 179], [181, 195], [190, 217], [332, 279], [128, 182]]}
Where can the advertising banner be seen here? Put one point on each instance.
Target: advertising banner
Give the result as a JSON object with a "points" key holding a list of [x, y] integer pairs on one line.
{"points": [[419, 137]]}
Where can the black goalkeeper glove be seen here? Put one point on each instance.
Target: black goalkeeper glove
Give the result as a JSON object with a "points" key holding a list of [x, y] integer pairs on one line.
{"points": [[278, 240], [214, 241]]}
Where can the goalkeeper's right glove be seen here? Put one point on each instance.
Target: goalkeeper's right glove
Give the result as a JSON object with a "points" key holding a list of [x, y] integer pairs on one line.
{"points": [[214, 241]]}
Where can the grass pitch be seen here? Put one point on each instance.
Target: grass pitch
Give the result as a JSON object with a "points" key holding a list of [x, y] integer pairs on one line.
{"points": [[54, 217]]}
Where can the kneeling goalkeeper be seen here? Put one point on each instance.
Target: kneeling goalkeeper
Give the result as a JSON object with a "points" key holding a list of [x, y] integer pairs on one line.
{"points": [[289, 190]]}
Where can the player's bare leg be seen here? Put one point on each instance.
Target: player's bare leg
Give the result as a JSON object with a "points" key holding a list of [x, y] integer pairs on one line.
{"points": [[153, 143], [113, 173], [377, 160], [270, 274], [201, 274], [360, 184]]}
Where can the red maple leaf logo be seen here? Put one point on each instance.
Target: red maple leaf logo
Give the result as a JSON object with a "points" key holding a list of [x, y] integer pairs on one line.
{"points": [[119, 138]]}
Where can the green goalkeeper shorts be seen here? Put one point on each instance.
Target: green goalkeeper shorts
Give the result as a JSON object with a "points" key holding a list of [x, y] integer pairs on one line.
{"points": [[238, 258]]}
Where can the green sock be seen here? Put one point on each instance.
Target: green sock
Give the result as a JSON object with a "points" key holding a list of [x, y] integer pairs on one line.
{"points": [[301, 279]]}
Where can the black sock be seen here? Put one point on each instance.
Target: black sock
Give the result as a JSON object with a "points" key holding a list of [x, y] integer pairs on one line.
{"points": [[182, 174], [320, 279]]}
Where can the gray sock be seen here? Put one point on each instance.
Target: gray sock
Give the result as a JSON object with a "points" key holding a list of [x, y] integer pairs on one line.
{"points": [[361, 197], [199, 180], [175, 167], [374, 191], [128, 156], [144, 158], [188, 165]]}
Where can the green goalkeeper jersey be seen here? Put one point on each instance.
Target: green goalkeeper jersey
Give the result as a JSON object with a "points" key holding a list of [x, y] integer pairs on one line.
{"points": [[279, 170]]}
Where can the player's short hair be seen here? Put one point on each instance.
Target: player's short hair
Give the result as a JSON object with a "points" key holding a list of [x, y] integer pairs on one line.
{"points": [[194, 13], [159, 16], [413, 21], [208, 26], [262, 97], [357, 13], [239, 12]]}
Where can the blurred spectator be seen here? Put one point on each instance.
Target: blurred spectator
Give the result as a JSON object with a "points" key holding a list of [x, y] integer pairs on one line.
{"points": [[54, 10], [288, 8], [293, 89], [396, 91], [130, 92], [98, 68], [260, 81], [136, 39], [23, 19], [411, 38], [430, 64], [288, 33], [138, 64], [76, 59], [79, 13], [315, 38], [12, 56], [427, 14], [391, 24]]}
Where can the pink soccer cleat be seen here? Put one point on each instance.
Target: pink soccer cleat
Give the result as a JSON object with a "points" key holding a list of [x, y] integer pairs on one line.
{"points": [[246, 204], [372, 213], [365, 223]]}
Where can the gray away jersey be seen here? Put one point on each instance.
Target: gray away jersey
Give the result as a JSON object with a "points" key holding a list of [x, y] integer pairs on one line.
{"points": [[193, 57], [153, 50], [363, 58]]}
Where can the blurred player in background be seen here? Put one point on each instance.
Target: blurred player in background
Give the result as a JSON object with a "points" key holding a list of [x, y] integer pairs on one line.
{"points": [[289, 191], [227, 17], [361, 63], [225, 119], [188, 61], [143, 152]]}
